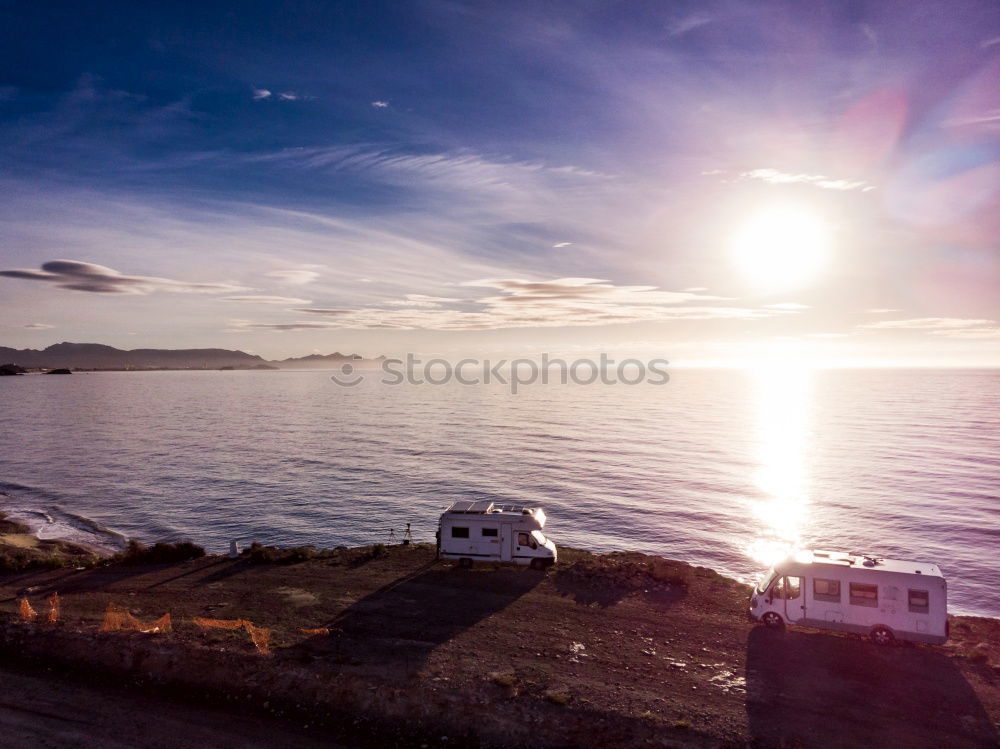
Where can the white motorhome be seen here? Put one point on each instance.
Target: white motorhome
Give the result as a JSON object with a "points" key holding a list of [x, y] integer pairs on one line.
{"points": [[887, 599], [493, 532]]}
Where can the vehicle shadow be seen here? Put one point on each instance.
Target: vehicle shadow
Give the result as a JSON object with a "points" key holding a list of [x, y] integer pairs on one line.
{"points": [[43, 582], [401, 623], [810, 689]]}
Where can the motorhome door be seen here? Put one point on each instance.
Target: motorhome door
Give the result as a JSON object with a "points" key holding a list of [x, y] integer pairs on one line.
{"points": [[795, 599], [506, 541]]}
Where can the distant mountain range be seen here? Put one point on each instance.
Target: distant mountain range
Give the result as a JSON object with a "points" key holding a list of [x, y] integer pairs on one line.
{"points": [[98, 356]]}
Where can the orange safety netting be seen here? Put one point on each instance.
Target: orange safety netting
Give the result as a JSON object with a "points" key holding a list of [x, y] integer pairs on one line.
{"points": [[319, 631], [116, 618], [28, 614], [218, 623], [261, 637], [53, 608]]}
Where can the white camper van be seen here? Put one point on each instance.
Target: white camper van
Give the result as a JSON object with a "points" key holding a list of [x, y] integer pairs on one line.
{"points": [[493, 532], [885, 598]]}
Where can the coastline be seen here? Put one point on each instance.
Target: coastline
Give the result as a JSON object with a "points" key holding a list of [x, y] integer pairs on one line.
{"points": [[621, 648], [21, 549]]}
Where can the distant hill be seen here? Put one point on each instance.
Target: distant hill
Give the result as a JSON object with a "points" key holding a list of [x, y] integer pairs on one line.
{"points": [[322, 361], [98, 356]]}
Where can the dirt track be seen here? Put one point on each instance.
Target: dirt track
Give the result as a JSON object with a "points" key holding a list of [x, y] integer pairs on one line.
{"points": [[590, 654]]}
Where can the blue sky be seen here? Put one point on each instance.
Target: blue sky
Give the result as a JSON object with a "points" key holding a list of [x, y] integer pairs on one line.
{"points": [[449, 177]]}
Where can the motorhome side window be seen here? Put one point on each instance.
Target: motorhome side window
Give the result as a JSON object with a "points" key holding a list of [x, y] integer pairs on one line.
{"points": [[490, 532], [864, 595], [826, 590], [457, 532], [919, 601]]}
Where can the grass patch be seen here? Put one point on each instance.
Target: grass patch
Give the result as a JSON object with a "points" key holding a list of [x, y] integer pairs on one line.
{"points": [[682, 725], [12, 526]]}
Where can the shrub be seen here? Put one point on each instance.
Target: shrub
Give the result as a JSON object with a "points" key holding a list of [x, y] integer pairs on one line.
{"points": [[159, 553], [379, 550], [260, 554], [503, 679], [557, 697]]}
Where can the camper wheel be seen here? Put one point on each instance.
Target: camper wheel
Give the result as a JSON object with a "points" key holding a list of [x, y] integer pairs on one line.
{"points": [[883, 636], [772, 620], [465, 562], [537, 564]]}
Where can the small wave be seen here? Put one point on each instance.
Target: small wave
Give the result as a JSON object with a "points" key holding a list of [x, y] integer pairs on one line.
{"points": [[51, 522]]}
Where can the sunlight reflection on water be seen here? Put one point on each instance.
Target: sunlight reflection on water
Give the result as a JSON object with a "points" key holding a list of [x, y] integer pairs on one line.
{"points": [[783, 406]]}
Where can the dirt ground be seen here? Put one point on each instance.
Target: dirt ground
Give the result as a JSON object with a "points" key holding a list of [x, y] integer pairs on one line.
{"points": [[611, 650], [43, 709]]}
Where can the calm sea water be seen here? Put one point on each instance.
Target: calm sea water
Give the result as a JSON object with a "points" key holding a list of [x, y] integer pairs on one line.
{"points": [[721, 468]]}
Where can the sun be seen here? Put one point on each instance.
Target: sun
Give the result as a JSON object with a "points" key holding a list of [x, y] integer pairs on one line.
{"points": [[781, 248]]}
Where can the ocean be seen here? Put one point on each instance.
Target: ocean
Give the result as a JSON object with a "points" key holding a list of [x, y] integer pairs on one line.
{"points": [[723, 468]]}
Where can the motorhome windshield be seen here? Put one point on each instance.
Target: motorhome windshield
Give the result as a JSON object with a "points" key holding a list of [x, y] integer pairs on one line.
{"points": [[538, 537], [764, 582]]}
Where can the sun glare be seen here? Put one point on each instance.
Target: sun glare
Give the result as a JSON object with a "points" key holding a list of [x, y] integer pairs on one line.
{"points": [[781, 248]]}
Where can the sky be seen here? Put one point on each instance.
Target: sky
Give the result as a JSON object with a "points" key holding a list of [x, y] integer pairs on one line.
{"points": [[707, 182]]}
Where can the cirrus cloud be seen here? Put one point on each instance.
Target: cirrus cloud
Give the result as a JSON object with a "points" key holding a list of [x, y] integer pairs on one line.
{"points": [[521, 303], [265, 299]]}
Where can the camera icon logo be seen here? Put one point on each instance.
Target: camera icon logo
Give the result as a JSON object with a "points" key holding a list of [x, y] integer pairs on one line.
{"points": [[347, 377]]}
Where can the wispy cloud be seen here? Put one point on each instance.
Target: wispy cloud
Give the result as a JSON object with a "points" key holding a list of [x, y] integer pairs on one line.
{"points": [[559, 245], [561, 302], [929, 323], [288, 96], [80, 276], [380, 104], [421, 300], [260, 94], [265, 299], [244, 326], [294, 277], [38, 326], [971, 334], [987, 118], [776, 177], [325, 311], [789, 306], [880, 310], [461, 168], [688, 23]]}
